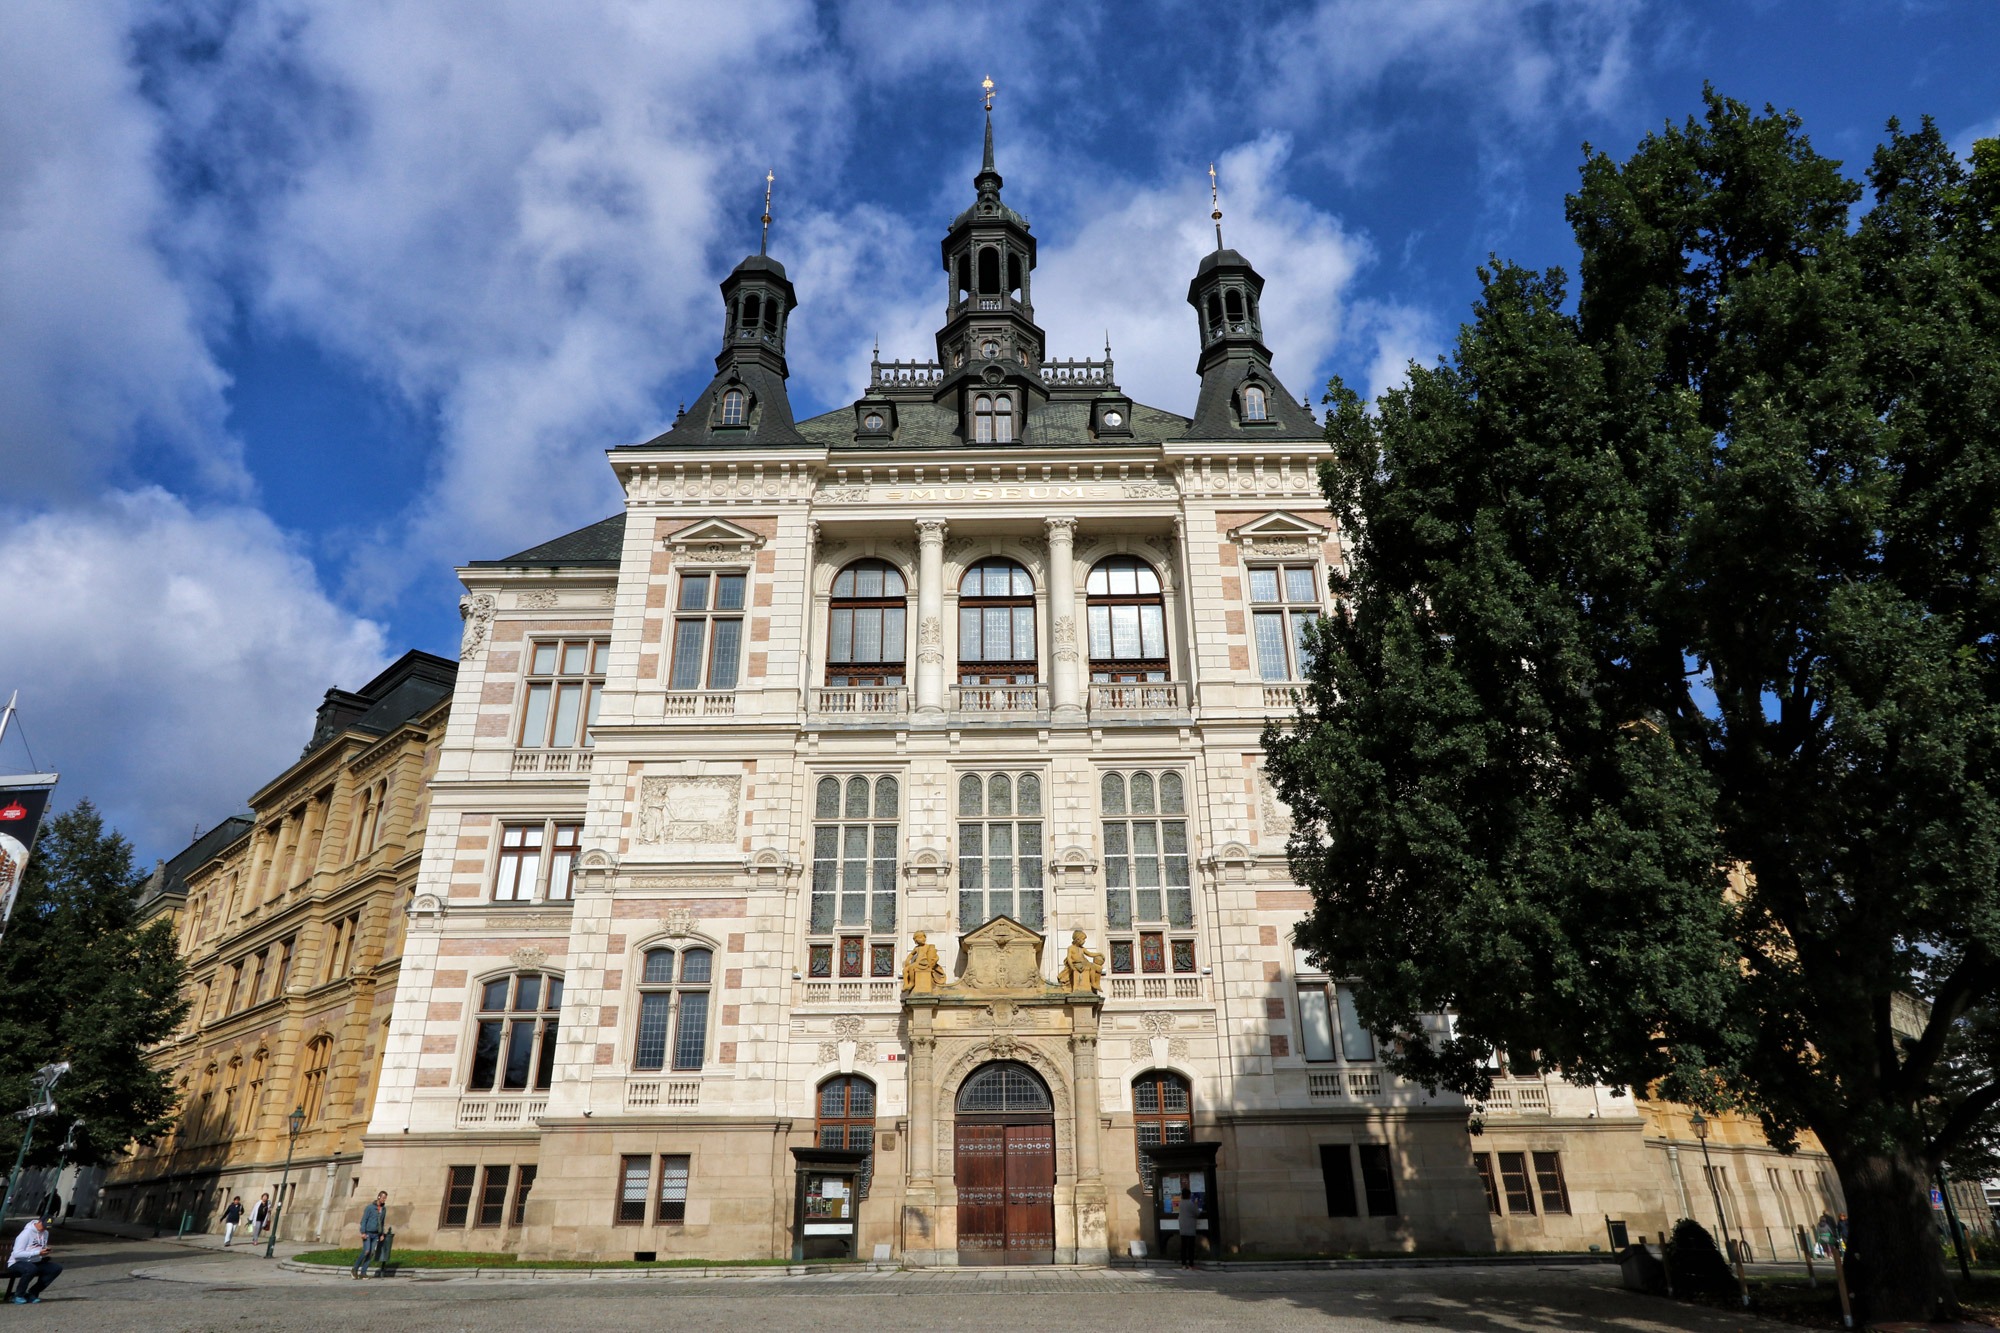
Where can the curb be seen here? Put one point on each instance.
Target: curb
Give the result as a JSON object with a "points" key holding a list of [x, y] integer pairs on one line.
{"points": [[1515, 1260], [518, 1273]]}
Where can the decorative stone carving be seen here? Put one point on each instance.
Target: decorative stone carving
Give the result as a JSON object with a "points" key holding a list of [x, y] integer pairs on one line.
{"points": [[678, 809], [539, 599], [1059, 528], [1003, 956], [1156, 1023], [843, 495], [829, 1053], [1177, 1049], [681, 882], [1065, 639], [607, 597], [1277, 816], [930, 641], [677, 922], [1285, 548], [529, 955], [1151, 493], [1082, 969], [923, 974], [958, 546], [1003, 1047], [426, 910], [477, 610], [712, 554], [847, 1027], [864, 1052], [1142, 1049]]}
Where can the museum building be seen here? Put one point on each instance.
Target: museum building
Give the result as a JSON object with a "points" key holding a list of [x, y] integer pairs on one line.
{"points": [[860, 844]]}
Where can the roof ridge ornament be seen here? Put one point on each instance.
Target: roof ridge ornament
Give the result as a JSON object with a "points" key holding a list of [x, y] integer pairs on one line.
{"points": [[764, 245], [988, 181]]}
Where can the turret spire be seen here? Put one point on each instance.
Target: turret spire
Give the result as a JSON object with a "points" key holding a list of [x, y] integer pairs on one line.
{"points": [[988, 181], [764, 245], [1215, 199]]}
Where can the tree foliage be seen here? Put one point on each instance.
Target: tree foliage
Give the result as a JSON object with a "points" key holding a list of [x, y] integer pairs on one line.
{"points": [[1661, 732], [81, 981]]}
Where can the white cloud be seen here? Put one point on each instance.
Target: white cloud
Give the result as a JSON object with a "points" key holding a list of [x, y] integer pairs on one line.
{"points": [[169, 661]]}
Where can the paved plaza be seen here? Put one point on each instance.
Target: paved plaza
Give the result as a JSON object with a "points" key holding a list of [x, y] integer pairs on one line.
{"points": [[112, 1286]]}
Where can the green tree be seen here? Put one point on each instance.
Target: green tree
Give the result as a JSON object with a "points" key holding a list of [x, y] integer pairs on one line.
{"points": [[81, 981], [1661, 733]]}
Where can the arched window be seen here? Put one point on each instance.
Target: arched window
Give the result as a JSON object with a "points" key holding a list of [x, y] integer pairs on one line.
{"points": [[1128, 621], [1162, 1113], [673, 1001], [1234, 299], [864, 642], [1004, 1087], [989, 271], [732, 408], [1253, 403], [319, 1054], [993, 416], [996, 624], [964, 276], [1214, 315], [515, 1046], [847, 1119], [1014, 274], [751, 312]]}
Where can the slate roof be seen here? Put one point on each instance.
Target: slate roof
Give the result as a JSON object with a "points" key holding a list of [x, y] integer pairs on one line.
{"points": [[169, 879], [922, 425], [602, 543]]}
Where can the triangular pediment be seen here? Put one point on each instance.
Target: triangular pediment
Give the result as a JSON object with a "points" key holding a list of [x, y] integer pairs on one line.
{"points": [[1002, 956], [1279, 526], [714, 531], [999, 928]]}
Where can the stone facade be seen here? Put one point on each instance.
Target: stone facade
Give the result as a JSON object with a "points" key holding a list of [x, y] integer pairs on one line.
{"points": [[292, 922]]}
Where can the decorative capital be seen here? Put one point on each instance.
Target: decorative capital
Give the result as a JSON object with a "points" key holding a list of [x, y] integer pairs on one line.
{"points": [[1062, 531], [931, 531]]}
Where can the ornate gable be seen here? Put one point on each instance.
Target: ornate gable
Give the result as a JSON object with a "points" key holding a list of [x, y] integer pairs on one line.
{"points": [[1002, 957]]}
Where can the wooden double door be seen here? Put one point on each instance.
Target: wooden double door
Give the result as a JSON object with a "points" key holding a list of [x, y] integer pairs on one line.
{"points": [[1006, 1177]]}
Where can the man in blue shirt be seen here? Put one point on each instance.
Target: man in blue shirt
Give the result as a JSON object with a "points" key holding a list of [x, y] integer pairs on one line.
{"points": [[372, 1226]]}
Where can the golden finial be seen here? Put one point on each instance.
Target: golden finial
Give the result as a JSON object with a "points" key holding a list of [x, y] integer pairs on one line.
{"points": [[988, 86], [1215, 199], [764, 246]]}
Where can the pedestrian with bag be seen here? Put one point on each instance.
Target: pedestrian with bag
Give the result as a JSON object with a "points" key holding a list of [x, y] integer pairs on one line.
{"points": [[373, 1222], [29, 1264], [259, 1216], [230, 1217]]}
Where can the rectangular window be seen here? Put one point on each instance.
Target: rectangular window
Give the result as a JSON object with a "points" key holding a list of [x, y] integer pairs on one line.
{"points": [[1549, 1179], [257, 977], [654, 1010], [1378, 1179], [1336, 1168], [1285, 602], [565, 685], [855, 834], [708, 644], [1315, 1023], [673, 1189], [1484, 1162], [1514, 1182], [1146, 868], [520, 862], [999, 848], [457, 1195], [634, 1174], [284, 966], [493, 1196], [524, 1183], [562, 861], [486, 1054], [1356, 1042], [691, 1034]]}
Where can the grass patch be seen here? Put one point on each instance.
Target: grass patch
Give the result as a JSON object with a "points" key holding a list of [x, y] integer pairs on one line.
{"points": [[477, 1259]]}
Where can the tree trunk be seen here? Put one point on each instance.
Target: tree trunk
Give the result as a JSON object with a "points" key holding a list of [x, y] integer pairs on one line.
{"points": [[1895, 1266]]}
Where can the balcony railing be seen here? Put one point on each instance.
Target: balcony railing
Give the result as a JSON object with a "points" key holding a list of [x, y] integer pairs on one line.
{"points": [[500, 1112], [1158, 988], [821, 994], [700, 703], [862, 703], [999, 700], [1138, 699], [1353, 1084], [658, 1094], [552, 761], [1282, 696]]}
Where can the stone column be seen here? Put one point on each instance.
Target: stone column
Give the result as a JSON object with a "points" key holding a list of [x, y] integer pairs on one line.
{"points": [[920, 1220], [1064, 667], [930, 617], [1093, 1244]]}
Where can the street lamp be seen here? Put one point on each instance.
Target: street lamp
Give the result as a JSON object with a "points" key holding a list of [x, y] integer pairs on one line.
{"points": [[1699, 1124], [297, 1121], [44, 1084]]}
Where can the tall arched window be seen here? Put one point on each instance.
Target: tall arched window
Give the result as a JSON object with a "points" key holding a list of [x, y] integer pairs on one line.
{"points": [[673, 1009], [989, 271], [1128, 621], [993, 417], [319, 1054], [1162, 1113], [996, 624], [1254, 408], [864, 642], [847, 1119], [732, 408], [752, 309], [1234, 300], [515, 1046], [1214, 315]]}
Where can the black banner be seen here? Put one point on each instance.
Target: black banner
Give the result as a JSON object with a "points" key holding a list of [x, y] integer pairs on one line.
{"points": [[20, 815]]}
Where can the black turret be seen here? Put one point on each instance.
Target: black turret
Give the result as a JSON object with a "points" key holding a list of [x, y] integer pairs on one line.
{"points": [[1240, 396]]}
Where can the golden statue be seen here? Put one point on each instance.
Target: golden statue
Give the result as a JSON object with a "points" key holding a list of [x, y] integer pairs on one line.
{"points": [[1082, 970], [922, 973]]}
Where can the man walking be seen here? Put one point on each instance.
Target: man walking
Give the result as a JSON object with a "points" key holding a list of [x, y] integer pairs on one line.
{"points": [[372, 1219], [30, 1266], [260, 1215], [230, 1217]]}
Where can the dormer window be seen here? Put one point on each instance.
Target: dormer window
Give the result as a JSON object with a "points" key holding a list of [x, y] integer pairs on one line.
{"points": [[993, 419], [732, 406], [1254, 405]]}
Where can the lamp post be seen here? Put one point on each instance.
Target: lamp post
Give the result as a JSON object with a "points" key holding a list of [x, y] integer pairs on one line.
{"points": [[1699, 1124], [297, 1121], [62, 1159], [44, 1083]]}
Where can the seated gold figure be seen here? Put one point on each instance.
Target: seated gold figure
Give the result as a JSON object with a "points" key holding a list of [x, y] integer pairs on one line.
{"points": [[1082, 969], [922, 973]]}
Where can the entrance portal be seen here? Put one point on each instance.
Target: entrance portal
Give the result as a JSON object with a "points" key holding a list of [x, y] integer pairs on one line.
{"points": [[1006, 1167]]}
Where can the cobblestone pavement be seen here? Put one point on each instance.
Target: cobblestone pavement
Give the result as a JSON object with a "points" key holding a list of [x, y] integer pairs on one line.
{"points": [[111, 1286]]}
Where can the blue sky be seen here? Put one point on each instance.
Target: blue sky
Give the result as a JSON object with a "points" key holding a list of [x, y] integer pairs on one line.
{"points": [[303, 303]]}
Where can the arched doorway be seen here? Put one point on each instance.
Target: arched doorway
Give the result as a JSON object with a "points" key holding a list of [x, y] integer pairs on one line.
{"points": [[1006, 1167]]}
